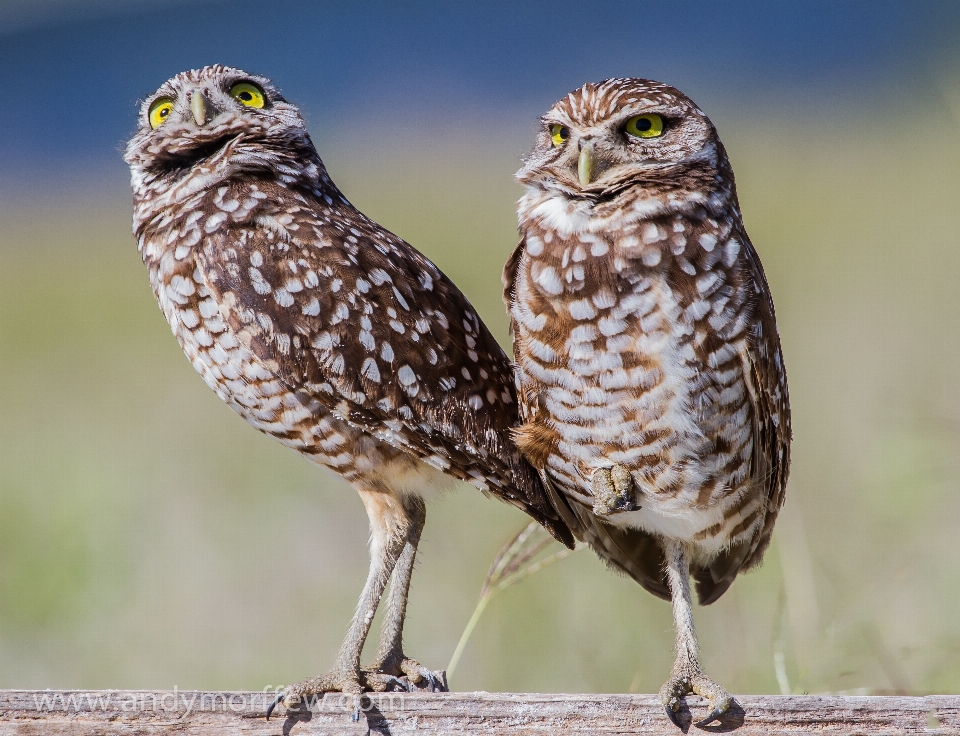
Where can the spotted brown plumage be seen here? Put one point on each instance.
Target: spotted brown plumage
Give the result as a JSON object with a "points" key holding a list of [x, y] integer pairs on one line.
{"points": [[651, 381], [321, 329]]}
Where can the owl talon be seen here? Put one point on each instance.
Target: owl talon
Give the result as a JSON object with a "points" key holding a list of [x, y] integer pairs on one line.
{"points": [[714, 715], [276, 701], [436, 682], [385, 683], [613, 490], [302, 695], [688, 679], [672, 715], [406, 674]]}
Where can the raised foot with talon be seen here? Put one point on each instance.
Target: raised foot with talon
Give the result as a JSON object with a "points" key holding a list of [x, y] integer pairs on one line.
{"points": [[690, 680], [613, 490]]}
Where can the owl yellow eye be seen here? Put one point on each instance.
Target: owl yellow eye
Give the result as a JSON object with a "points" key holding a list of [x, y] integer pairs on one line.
{"points": [[558, 134], [159, 111], [645, 126], [247, 94]]}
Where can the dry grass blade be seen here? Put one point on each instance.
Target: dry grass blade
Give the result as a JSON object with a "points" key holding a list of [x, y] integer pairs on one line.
{"points": [[515, 561]]}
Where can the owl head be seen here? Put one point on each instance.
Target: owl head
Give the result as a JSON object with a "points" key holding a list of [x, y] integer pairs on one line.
{"points": [[218, 120], [605, 138]]}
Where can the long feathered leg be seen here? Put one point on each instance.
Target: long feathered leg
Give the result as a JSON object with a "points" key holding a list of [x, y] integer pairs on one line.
{"points": [[390, 658], [391, 523], [687, 677]]}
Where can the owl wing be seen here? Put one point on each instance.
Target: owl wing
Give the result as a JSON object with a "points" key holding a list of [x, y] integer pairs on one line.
{"points": [[353, 319], [770, 464]]}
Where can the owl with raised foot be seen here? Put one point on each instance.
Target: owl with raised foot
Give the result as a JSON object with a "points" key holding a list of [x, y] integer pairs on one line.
{"points": [[323, 330], [651, 381]]}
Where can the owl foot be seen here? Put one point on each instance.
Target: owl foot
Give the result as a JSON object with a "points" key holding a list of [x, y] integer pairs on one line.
{"points": [[613, 490], [688, 679], [300, 697], [413, 675]]}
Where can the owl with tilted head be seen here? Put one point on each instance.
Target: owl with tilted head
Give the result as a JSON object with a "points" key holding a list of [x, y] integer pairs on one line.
{"points": [[651, 381], [323, 330]]}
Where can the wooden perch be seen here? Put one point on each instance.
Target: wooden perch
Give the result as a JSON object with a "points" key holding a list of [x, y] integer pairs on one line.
{"points": [[109, 712]]}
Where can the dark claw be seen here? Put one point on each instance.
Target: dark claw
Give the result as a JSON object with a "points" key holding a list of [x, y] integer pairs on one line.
{"points": [[276, 701], [672, 715], [714, 715], [398, 683], [361, 703]]}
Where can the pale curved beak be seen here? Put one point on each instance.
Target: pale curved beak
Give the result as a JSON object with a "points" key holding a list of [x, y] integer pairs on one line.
{"points": [[200, 107], [585, 164]]}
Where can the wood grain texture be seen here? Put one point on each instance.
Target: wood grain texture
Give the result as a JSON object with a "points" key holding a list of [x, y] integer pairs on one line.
{"points": [[116, 712]]}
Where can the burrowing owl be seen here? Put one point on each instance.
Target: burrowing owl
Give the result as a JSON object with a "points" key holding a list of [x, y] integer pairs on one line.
{"points": [[323, 330], [651, 382]]}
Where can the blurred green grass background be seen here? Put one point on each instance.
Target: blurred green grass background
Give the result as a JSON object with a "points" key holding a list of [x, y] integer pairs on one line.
{"points": [[149, 538]]}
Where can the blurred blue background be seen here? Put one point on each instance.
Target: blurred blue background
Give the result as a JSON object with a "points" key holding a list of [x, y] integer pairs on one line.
{"points": [[148, 538], [77, 69]]}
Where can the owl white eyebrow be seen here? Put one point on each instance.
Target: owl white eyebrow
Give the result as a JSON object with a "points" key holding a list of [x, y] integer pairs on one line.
{"points": [[666, 114]]}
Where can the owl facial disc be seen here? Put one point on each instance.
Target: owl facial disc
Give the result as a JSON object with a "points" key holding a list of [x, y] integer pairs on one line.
{"points": [[203, 116]]}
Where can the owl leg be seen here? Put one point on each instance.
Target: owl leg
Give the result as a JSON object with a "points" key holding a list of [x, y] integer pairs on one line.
{"points": [[686, 677], [391, 520], [613, 490], [390, 659]]}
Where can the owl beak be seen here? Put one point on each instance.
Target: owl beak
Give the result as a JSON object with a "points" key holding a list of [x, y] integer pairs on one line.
{"points": [[200, 107], [585, 164]]}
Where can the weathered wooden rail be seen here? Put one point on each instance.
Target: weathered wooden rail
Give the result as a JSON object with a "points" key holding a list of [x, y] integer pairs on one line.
{"points": [[143, 713]]}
